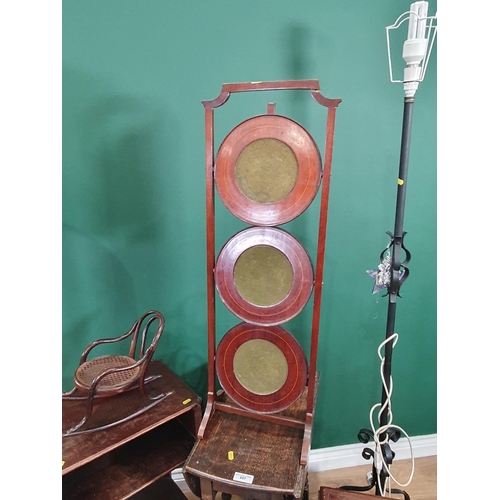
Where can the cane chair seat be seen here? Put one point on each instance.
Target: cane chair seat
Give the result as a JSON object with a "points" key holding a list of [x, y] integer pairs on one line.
{"points": [[116, 380]]}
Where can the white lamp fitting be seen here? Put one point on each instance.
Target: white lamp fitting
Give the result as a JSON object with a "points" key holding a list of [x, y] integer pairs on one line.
{"points": [[416, 48]]}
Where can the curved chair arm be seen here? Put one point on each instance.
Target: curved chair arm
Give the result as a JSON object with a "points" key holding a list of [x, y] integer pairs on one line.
{"points": [[91, 346]]}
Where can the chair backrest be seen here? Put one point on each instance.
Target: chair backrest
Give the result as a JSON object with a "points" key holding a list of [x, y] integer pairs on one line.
{"points": [[146, 350]]}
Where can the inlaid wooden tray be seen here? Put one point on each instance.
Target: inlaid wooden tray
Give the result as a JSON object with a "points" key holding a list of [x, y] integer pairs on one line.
{"points": [[264, 276], [267, 170], [261, 368]]}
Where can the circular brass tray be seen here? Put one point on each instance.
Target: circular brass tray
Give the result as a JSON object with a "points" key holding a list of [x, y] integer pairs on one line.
{"points": [[267, 170], [262, 369], [264, 275]]}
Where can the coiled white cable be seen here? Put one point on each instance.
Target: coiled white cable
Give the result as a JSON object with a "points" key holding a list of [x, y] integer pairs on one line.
{"points": [[379, 457]]}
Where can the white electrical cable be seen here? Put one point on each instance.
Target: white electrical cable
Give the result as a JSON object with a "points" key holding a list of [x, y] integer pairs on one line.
{"points": [[379, 457]]}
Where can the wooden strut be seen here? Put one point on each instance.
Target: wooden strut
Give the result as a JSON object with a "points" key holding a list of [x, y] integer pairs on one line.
{"points": [[210, 235], [331, 105]]}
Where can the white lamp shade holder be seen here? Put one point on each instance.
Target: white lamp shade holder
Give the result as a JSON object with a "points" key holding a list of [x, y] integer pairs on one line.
{"points": [[417, 48]]}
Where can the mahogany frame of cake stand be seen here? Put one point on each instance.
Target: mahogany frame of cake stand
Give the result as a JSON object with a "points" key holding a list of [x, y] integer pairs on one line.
{"points": [[212, 400]]}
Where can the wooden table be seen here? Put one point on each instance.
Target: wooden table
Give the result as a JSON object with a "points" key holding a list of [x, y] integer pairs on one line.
{"points": [[132, 459], [326, 493]]}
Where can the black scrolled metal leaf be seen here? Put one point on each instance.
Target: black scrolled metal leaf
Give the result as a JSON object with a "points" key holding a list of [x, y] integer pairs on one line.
{"points": [[399, 277], [365, 435], [407, 252], [394, 434], [367, 453], [388, 453]]}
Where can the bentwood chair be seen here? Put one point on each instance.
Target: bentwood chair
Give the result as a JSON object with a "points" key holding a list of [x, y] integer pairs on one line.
{"points": [[112, 374]]}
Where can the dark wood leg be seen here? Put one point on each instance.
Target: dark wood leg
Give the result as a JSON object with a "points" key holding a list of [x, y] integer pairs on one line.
{"points": [[207, 492]]}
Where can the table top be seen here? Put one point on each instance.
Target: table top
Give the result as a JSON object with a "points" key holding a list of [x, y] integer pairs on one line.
{"points": [[80, 449]]}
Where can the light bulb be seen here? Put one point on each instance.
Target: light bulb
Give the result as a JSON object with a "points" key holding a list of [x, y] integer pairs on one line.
{"points": [[415, 46]]}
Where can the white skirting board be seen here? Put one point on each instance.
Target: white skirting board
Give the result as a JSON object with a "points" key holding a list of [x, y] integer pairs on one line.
{"points": [[349, 455], [339, 457]]}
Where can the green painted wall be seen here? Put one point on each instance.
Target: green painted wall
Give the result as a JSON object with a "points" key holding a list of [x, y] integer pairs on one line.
{"points": [[134, 73]]}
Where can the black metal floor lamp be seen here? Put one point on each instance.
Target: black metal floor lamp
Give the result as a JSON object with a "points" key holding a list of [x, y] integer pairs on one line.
{"points": [[393, 271]]}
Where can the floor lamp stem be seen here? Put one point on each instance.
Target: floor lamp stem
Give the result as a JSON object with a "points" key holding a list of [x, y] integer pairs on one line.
{"points": [[398, 275], [396, 247]]}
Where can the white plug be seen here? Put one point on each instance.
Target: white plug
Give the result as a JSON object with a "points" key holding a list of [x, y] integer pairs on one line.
{"points": [[377, 459]]}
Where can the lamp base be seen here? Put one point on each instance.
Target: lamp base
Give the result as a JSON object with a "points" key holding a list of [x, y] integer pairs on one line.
{"points": [[379, 474]]}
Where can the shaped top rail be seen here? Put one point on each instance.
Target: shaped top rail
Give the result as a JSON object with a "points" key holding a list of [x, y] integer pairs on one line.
{"points": [[230, 88]]}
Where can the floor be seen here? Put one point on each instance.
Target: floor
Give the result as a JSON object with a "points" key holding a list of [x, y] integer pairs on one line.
{"points": [[422, 487]]}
